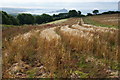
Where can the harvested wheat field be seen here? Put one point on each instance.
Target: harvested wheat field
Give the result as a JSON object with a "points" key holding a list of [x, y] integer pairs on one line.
{"points": [[70, 49]]}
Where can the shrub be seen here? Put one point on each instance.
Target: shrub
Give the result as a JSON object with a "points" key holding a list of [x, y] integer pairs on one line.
{"points": [[8, 19], [25, 19]]}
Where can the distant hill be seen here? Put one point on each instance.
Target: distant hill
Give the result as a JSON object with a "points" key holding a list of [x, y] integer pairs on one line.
{"points": [[60, 11], [15, 11]]}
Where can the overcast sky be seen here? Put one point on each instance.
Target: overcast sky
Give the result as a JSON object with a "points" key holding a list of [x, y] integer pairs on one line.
{"points": [[42, 3], [16, 1]]}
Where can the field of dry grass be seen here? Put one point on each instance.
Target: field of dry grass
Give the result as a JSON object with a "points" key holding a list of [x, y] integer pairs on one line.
{"points": [[70, 49]]}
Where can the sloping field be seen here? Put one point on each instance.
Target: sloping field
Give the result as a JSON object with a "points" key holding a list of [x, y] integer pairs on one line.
{"points": [[58, 21], [71, 49], [106, 20]]}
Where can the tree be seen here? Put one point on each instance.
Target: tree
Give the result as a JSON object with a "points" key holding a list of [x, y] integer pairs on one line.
{"points": [[89, 14], [43, 18], [72, 13], [96, 12], [79, 12], [63, 15], [5, 18], [46, 18], [38, 20], [111, 12], [8, 19], [14, 21], [26, 19], [55, 15]]}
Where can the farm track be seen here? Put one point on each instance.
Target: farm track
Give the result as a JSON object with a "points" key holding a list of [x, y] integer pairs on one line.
{"points": [[61, 46]]}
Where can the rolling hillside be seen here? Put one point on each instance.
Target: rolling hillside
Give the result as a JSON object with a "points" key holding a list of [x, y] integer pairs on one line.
{"points": [[68, 49]]}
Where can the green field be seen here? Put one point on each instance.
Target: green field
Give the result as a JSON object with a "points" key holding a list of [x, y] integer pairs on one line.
{"points": [[58, 21], [110, 20]]}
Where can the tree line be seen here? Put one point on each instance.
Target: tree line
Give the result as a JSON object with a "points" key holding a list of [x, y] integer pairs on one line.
{"points": [[96, 12], [23, 18]]}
